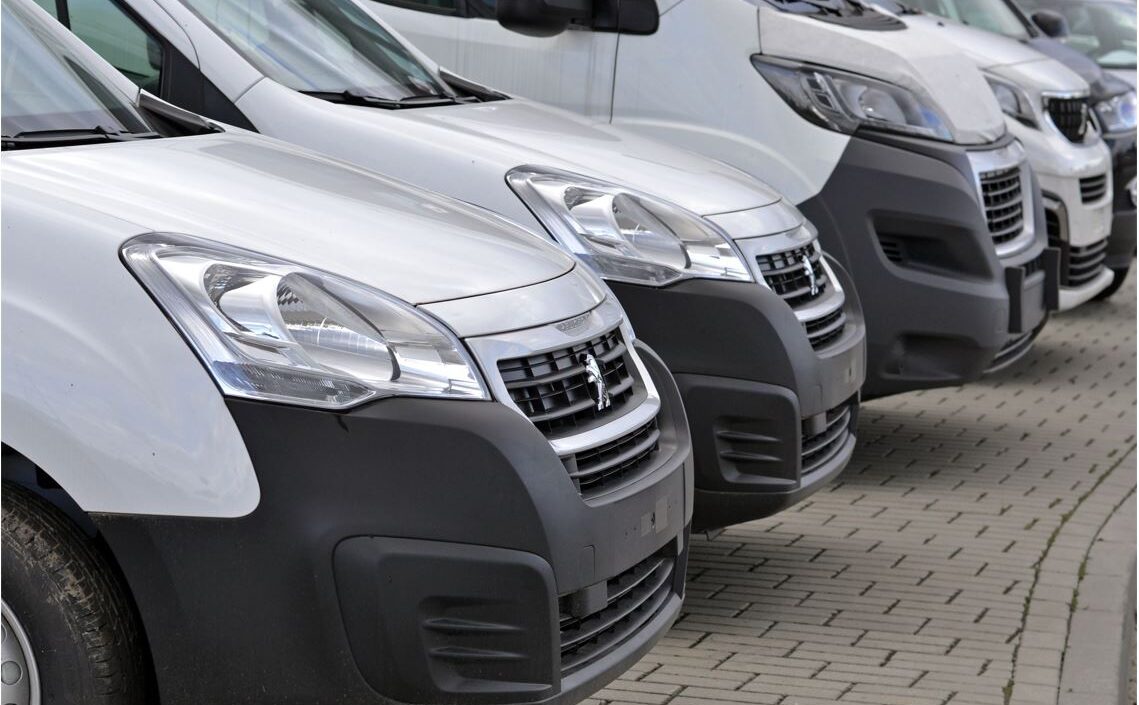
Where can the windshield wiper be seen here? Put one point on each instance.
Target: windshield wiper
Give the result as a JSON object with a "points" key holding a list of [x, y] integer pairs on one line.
{"points": [[355, 97], [60, 138]]}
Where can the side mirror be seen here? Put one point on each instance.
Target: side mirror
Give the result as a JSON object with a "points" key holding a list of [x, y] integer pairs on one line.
{"points": [[1051, 23], [542, 18]]}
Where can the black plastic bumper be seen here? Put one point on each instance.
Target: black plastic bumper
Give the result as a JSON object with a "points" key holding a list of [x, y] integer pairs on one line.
{"points": [[1121, 244], [752, 386], [418, 551], [902, 216]]}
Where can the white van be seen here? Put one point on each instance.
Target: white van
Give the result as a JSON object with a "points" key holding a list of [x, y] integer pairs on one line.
{"points": [[718, 273], [1048, 109], [887, 139], [265, 429]]}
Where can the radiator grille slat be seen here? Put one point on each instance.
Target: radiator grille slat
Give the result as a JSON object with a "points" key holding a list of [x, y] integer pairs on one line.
{"points": [[634, 597], [1003, 199], [820, 447], [1093, 188], [799, 278], [1070, 116]]}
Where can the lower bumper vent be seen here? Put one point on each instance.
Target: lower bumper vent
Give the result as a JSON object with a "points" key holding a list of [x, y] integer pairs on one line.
{"points": [[634, 598]]}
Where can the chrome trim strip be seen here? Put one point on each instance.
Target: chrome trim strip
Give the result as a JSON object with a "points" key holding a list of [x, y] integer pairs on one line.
{"points": [[489, 350]]}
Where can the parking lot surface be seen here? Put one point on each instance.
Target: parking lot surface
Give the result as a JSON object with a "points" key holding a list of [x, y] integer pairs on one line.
{"points": [[952, 563]]}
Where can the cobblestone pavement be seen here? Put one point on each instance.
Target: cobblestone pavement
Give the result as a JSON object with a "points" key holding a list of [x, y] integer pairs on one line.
{"points": [[907, 581]]}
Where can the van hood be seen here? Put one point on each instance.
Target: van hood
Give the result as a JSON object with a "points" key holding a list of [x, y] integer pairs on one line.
{"points": [[253, 192], [913, 59], [519, 132], [1103, 84], [1013, 60]]}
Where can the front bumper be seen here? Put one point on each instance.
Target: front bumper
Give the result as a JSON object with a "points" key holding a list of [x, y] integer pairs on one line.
{"points": [[902, 215], [410, 551], [1121, 243], [773, 420]]}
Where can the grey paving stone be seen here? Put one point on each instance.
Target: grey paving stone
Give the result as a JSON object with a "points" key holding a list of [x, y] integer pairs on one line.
{"points": [[942, 566]]}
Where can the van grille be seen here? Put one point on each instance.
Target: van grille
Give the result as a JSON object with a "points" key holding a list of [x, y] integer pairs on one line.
{"points": [[1004, 204], [1085, 263], [823, 331], [1070, 116], [635, 597], [553, 390], [1093, 188], [819, 448], [786, 274], [616, 464], [789, 274]]}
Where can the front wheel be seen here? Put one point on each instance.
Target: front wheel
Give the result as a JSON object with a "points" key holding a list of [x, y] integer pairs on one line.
{"points": [[1120, 277], [70, 634]]}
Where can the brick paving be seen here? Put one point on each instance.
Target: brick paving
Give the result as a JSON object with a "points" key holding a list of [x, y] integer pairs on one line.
{"points": [[931, 572]]}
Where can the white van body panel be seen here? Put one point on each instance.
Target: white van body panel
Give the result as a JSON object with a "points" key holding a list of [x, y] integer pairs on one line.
{"points": [[466, 151], [932, 69], [98, 387]]}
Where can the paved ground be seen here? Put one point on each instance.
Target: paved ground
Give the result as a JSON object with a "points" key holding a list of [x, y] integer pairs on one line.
{"points": [[944, 566]]}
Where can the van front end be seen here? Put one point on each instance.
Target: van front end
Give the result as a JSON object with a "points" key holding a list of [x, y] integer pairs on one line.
{"points": [[527, 549]]}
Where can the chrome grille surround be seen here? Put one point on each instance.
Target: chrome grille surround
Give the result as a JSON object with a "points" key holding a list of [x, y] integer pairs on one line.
{"points": [[613, 448], [993, 175], [778, 262]]}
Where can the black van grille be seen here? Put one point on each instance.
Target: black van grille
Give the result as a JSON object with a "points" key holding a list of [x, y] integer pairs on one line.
{"points": [[635, 597], [1085, 263], [825, 330], [819, 448], [786, 274], [1004, 203], [1070, 116], [1093, 188], [553, 390], [615, 464]]}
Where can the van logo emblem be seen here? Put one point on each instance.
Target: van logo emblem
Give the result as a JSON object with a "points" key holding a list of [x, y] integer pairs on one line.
{"points": [[598, 389], [810, 271]]}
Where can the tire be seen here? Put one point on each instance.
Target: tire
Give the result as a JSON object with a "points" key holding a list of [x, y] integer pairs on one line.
{"points": [[1120, 277], [65, 595]]}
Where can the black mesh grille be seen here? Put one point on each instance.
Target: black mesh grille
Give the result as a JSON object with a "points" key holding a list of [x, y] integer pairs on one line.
{"points": [[553, 388], [827, 329], [634, 598], [1004, 203], [819, 448], [1070, 116], [1085, 263], [787, 274], [1093, 188], [615, 464]]}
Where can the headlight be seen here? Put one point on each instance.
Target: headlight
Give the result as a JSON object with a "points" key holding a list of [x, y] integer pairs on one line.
{"points": [[1117, 114], [1013, 100], [625, 235], [844, 102], [278, 331]]}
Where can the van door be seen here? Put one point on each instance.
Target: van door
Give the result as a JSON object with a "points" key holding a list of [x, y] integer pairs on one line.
{"points": [[573, 70]]}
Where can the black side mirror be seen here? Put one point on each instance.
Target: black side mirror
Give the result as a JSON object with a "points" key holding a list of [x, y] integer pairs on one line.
{"points": [[1051, 23], [542, 18]]}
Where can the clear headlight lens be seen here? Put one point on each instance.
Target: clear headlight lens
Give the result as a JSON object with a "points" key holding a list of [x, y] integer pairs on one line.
{"points": [[1117, 114], [277, 331], [624, 235], [844, 102], [1013, 100]]}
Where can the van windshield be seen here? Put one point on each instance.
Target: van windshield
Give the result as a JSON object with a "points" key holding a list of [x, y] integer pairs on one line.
{"points": [[47, 95], [989, 15], [320, 46]]}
